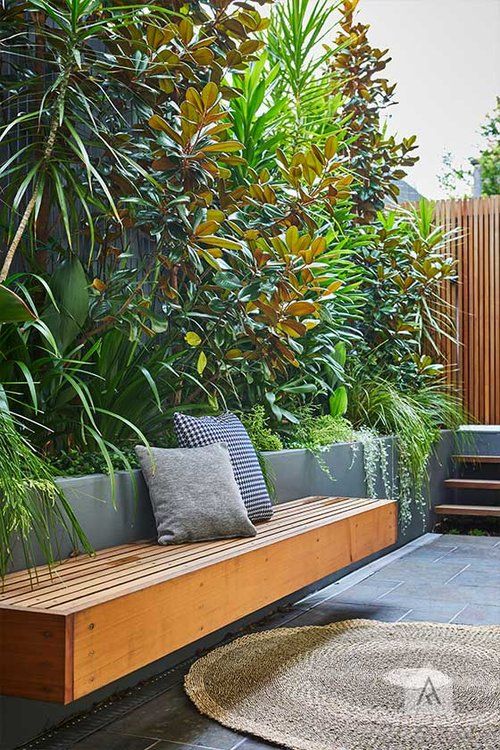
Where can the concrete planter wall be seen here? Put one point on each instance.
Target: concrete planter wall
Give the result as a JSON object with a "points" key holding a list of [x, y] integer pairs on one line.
{"points": [[297, 473]]}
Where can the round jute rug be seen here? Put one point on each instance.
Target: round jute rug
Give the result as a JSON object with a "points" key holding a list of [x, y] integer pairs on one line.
{"points": [[357, 685]]}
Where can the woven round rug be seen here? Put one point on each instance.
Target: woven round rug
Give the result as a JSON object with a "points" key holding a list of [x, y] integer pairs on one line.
{"points": [[357, 685]]}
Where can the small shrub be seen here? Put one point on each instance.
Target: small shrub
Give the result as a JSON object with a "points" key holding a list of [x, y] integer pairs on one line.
{"points": [[318, 432], [261, 435], [74, 462]]}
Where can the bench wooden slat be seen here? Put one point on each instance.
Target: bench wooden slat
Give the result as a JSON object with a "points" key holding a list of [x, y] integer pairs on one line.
{"points": [[170, 559], [93, 620], [118, 585], [151, 555], [36, 576]]}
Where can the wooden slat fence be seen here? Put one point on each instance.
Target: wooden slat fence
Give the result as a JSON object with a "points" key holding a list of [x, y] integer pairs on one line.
{"points": [[474, 364]]}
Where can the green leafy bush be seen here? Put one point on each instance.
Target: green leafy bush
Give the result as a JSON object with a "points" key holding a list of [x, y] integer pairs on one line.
{"points": [[183, 205], [74, 462], [317, 431], [262, 436], [414, 417]]}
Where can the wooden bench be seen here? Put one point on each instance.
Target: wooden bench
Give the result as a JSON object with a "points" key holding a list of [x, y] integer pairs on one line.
{"points": [[95, 619]]}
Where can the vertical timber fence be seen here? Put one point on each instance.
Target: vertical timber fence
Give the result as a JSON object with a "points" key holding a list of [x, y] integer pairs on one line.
{"points": [[474, 363]]}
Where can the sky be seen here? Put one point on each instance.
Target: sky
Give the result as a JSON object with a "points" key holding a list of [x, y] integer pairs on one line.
{"points": [[446, 60]]}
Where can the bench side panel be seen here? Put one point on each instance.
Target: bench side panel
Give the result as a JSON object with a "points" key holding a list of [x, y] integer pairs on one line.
{"points": [[116, 637], [36, 659]]}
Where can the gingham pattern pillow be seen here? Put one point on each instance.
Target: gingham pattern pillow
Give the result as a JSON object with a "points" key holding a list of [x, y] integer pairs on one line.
{"points": [[194, 432]]}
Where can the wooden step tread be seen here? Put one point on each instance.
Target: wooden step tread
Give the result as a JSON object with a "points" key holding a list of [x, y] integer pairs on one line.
{"points": [[468, 510], [473, 484], [76, 582], [477, 459]]}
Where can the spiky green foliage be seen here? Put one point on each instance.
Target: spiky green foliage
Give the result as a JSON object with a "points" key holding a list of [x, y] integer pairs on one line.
{"points": [[415, 417], [34, 512]]}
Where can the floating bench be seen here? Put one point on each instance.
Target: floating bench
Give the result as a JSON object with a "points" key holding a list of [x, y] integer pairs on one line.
{"points": [[95, 619]]}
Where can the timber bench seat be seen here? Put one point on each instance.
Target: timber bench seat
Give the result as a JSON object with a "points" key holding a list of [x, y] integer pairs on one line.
{"points": [[91, 620]]}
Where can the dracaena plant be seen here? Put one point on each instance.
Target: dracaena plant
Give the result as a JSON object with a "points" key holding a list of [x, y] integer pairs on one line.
{"points": [[288, 99]]}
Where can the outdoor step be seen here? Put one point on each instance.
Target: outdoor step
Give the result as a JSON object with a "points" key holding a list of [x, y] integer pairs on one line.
{"points": [[472, 484], [477, 459], [467, 510]]}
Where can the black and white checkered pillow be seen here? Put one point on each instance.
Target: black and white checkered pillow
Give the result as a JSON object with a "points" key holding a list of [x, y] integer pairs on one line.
{"points": [[194, 432]]}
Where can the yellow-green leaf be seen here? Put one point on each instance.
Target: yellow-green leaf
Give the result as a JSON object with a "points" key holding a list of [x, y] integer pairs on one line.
{"points": [[292, 237], [158, 123], [234, 353], [202, 363], [192, 338], [331, 147], [226, 146], [301, 308], [209, 94], [219, 242]]}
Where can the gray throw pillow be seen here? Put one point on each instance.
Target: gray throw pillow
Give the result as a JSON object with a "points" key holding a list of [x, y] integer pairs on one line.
{"points": [[194, 494]]}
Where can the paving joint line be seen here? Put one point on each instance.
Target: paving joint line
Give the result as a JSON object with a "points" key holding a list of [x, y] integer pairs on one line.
{"points": [[403, 616], [457, 574], [458, 613], [399, 583], [445, 554]]}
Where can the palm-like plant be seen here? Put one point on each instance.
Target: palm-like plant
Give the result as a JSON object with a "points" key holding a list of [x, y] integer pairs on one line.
{"points": [[56, 82], [288, 98], [257, 115], [297, 45]]}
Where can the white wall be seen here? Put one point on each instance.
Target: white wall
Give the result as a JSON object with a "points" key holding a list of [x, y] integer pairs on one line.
{"points": [[446, 59]]}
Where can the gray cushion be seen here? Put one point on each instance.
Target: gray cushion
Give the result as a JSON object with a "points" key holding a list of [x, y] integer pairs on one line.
{"points": [[194, 494]]}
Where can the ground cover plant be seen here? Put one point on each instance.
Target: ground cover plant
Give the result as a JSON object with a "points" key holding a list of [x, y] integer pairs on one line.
{"points": [[187, 224]]}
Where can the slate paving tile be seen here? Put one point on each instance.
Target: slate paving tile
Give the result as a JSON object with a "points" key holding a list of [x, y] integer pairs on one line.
{"points": [[463, 539], [366, 591], [106, 741], [482, 565], [474, 577], [431, 552], [479, 614], [253, 744], [328, 612], [481, 554], [411, 594], [432, 613], [419, 571], [173, 717]]}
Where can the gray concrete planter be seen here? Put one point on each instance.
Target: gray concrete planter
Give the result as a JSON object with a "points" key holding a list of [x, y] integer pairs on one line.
{"points": [[339, 470]]}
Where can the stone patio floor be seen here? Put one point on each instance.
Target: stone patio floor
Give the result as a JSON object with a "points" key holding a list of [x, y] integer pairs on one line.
{"points": [[441, 579]]}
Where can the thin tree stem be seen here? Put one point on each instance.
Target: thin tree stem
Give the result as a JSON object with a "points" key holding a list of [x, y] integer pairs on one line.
{"points": [[49, 148]]}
